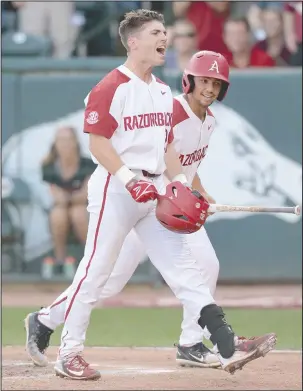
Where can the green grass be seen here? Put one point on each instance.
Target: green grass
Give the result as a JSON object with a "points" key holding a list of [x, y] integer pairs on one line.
{"points": [[161, 326]]}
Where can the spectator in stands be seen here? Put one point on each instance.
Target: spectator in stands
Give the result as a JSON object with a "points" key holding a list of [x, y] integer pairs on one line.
{"points": [[67, 173], [208, 17], [254, 16], [184, 45], [238, 38], [274, 44], [293, 30], [51, 18]]}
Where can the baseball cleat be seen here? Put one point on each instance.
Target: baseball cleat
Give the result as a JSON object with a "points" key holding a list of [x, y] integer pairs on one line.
{"points": [[37, 339], [197, 355], [76, 368], [248, 349]]}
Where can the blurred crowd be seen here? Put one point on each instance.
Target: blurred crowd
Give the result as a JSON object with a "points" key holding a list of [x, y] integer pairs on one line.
{"points": [[249, 34]]}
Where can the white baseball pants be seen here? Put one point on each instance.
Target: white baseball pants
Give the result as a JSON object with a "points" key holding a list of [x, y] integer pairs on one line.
{"points": [[113, 214], [132, 253]]}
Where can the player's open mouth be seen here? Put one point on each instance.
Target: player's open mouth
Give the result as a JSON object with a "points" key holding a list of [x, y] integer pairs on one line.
{"points": [[161, 50]]}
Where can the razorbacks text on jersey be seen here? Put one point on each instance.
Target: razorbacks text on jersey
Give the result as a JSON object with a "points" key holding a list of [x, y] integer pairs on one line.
{"points": [[136, 116], [191, 135]]}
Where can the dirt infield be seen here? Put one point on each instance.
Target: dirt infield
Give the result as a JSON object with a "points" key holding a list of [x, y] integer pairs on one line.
{"points": [[151, 369]]}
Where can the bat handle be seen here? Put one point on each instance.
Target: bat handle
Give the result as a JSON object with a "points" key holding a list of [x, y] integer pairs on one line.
{"points": [[212, 208]]}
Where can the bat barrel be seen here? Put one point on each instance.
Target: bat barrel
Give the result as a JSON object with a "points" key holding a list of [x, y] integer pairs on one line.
{"points": [[255, 209]]}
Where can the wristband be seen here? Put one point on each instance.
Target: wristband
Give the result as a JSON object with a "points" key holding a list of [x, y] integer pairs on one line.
{"points": [[180, 178], [125, 175]]}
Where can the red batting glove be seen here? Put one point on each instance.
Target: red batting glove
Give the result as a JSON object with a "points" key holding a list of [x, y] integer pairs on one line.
{"points": [[141, 190]]}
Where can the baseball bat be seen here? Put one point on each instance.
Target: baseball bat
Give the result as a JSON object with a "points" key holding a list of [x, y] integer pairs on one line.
{"points": [[214, 208]]}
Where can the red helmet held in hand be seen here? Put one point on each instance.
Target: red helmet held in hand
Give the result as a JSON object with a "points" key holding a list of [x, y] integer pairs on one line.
{"points": [[181, 209], [206, 64]]}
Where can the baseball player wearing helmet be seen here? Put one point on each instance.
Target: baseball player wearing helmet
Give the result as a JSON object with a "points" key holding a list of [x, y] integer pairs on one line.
{"points": [[189, 268]]}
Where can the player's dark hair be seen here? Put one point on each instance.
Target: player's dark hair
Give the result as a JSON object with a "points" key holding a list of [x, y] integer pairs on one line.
{"points": [[134, 20], [238, 19]]}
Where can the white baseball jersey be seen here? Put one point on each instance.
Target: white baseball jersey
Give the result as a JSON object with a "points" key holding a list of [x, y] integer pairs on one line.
{"points": [[191, 135], [136, 116]]}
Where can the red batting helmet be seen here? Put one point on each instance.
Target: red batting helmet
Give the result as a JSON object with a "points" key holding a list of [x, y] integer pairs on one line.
{"points": [[181, 209], [206, 64]]}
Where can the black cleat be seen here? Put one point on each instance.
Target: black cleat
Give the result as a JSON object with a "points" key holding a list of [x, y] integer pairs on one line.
{"points": [[37, 339], [197, 355]]}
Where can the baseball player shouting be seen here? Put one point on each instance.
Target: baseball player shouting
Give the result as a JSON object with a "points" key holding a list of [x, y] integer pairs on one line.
{"points": [[129, 119]]}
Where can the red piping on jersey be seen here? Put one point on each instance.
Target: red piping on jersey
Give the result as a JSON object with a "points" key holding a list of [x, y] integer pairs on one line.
{"points": [[179, 113], [209, 113], [160, 81], [94, 247]]}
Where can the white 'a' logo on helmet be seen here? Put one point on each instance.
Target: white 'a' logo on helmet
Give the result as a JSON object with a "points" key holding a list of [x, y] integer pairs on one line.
{"points": [[214, 67]]}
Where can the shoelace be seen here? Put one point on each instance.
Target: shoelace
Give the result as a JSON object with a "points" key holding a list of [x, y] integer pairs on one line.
{"points": [[78, 362], [198, 348]]}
